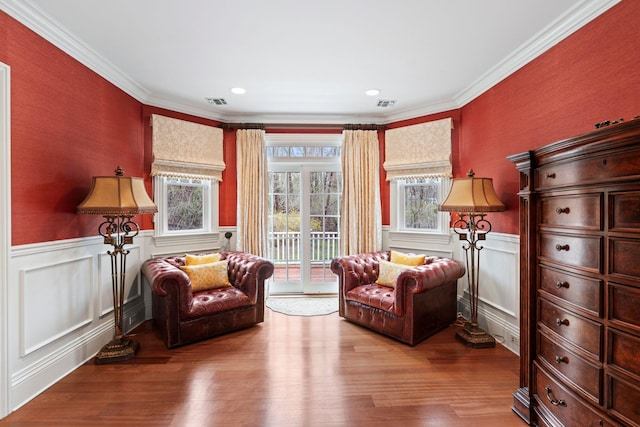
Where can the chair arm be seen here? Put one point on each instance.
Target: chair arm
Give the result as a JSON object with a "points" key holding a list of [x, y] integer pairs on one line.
{"points": [[357, 270], [166, 279], [247, 272], [435, 272]]}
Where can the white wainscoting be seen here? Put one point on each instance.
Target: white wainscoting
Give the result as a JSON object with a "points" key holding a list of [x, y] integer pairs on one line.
{"points": [[59, 305], [499, 289], [61, 309]]}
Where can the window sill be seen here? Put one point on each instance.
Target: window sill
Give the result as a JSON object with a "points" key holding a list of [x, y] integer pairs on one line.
{"points": [[191, 239], [419, 237]]}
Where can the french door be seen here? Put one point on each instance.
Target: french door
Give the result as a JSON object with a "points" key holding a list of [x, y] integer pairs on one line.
{"points": [[304, 224]]}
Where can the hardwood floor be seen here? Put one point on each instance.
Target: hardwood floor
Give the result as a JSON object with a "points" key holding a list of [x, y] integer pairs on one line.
{"points": [[288, 371]]}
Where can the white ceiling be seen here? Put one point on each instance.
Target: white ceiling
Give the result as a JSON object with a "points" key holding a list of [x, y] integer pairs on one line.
{"points": [[304, 61]]}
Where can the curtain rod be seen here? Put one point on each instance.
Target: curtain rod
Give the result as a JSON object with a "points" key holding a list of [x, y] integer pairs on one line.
{"points": [[342, 126], [364, 127], [233, 126]]}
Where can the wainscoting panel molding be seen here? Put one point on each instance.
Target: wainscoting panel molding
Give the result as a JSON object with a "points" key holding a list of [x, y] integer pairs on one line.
{"points": [[498, 289], [60, 310], [40, 291]]}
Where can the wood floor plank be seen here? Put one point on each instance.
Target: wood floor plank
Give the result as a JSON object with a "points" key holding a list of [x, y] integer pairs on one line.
{"points": [[288, 371]]}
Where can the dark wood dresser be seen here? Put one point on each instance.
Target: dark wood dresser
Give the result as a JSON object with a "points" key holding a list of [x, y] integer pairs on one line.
{"points": [[580, 280]]}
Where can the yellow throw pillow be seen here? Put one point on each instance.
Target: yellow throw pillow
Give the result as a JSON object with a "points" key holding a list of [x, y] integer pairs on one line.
{"points": [[201, 259], [389, 272], [207, 276], [407, 259]]}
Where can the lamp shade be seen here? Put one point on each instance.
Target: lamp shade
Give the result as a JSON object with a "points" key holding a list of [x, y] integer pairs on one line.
{"points": [[117, 195], [472, 195]]}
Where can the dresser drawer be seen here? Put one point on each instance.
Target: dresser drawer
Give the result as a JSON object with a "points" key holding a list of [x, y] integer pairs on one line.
{"points": [[624, 305], [579, 211], [580, 331], [578, 251], [624, 352], [595, 170], [584, 292], [625, 208], [623, 256], [554, 398], [625, 398], [582, 373]]}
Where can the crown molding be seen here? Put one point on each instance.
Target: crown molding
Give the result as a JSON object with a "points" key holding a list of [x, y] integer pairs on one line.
{"points": [[155, 101], [575, 18], [36, 20], [570, 22], [425, 110]]}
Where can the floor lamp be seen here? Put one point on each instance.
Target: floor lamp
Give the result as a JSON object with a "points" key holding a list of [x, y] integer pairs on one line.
{"points": [[118, 198], [471, 198]]}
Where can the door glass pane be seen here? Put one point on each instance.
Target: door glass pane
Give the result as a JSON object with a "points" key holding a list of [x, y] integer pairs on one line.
{"points": [[324, 200], [284, 225], [304, 221]]}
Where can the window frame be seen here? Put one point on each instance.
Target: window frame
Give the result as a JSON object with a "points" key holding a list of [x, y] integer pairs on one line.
{"points": [[210, 213], [397, 232]]}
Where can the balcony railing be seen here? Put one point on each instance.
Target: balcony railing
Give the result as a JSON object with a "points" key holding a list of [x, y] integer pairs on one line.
{"points": [[285, 246]]}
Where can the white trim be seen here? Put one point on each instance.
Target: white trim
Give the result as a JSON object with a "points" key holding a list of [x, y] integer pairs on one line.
{"points": [[303, 139], [574, 19], [396, 210], [5, 232]]}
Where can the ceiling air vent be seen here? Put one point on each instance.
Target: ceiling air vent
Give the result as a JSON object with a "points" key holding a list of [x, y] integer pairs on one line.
{"points": [[216, 101], [386, 103]]}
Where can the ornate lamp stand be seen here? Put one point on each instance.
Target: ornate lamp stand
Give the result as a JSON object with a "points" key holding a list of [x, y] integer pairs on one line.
{"points": [[471, 230], [117, 198], [472, 198], [118, 231]]}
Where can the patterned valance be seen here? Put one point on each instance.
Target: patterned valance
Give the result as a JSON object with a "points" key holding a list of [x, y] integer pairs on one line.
{"points": [[186, 149], [422, 150]]}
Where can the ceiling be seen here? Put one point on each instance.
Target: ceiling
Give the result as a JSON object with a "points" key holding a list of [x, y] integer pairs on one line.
{"points": [[305, 61]]}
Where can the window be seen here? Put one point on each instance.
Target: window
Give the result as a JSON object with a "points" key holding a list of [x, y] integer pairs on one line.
{"points": [[287, 151], [184, 205], [416, 205]]}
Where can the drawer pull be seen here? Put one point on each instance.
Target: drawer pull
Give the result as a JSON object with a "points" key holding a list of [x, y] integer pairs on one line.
{"points": [[563, 210], [560, 285], [562, 247], [550, 176], [554, 402], [562, 322], [563, 359]]}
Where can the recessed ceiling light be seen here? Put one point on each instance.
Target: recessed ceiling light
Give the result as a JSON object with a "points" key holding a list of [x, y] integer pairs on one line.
{"points": [[238, 90], [372, 92]]}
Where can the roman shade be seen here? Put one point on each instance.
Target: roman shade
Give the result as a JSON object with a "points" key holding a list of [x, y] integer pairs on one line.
{"points": [[186, 150], [422, 150]]}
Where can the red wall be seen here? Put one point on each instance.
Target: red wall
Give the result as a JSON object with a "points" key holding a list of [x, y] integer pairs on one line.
{"points": [[590, 77], [67, 125]]}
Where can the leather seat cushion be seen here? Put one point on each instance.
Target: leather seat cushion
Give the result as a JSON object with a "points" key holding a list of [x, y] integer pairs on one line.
{"points": [[373, 295], [216, 300]]}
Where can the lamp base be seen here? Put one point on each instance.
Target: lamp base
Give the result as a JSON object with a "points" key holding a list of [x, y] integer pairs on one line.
{"points": [[117, 350], [473, 336]]}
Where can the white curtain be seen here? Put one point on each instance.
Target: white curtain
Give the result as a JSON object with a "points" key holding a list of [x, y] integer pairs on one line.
{"points": [[252, 191], [361, 217]]}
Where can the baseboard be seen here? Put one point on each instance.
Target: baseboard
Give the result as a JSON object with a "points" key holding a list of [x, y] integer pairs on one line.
{"points": [[496, 323], [55, 365]]}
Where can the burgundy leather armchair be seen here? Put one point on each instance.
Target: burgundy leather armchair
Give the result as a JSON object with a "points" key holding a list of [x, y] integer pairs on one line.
{"points": [[423, 302], [184, 316]]}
